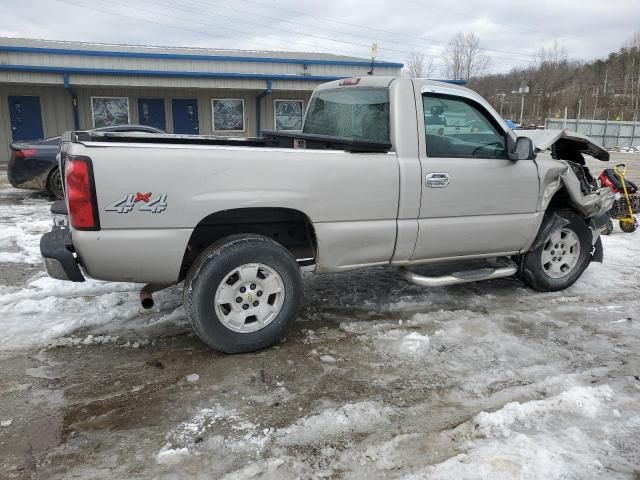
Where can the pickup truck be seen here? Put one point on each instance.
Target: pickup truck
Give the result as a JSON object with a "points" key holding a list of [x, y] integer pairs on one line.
{"points": [[387, 171]]}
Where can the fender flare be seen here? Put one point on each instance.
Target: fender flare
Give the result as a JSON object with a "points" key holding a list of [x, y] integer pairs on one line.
{"points": [[554, 221], [551, 222]]}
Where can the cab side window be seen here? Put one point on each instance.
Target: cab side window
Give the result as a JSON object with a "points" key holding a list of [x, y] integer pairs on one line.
{"points": [[459, 128]]}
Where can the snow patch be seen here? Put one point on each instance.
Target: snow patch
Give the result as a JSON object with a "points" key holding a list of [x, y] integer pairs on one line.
{"points": [[171, 456], [351, 417], [399, 343], [414, 344], [587, 402], [47, 309]]}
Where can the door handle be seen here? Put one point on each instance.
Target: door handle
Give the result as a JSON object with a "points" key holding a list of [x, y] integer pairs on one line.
{"points": [[437, 180]]}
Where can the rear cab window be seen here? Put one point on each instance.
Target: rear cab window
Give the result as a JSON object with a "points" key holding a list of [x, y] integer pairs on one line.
{"points": [[361, 113], [460, 128]]}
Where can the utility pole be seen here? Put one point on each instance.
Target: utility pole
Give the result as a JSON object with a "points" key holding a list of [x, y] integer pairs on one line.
{"points": [[374, 53], [501, 95], [579, 108], [595, 108], [579, 111], [524, 89]]}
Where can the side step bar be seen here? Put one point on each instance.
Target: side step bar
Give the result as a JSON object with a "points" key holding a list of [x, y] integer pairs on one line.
{"points": [[465, 276]]}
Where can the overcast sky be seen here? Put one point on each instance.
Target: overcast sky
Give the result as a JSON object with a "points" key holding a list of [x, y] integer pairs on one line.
{"points": [[512, 31]]}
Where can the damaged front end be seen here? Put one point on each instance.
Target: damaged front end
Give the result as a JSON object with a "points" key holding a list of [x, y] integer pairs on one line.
{"points": [[565, 180], [564, 175]]}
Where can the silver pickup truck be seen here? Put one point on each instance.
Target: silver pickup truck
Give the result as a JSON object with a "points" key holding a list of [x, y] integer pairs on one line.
{"points": [[386, 171]]}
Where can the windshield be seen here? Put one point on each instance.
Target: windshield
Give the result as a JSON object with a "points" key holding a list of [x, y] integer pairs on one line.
{"points": [[349, 112]]}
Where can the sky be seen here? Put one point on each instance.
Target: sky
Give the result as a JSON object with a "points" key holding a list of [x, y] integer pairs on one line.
{"points": [[511, 32]]}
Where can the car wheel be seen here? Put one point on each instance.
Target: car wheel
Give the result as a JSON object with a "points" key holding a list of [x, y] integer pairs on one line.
{"points": [[243, 293], [54, 184], [561, 258]]}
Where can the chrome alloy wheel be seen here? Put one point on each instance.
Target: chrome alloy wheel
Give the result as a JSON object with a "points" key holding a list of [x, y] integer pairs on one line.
{"points": [[561, 253], [249, 297]]}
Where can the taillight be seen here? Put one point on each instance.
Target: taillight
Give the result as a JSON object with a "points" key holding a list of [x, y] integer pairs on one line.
{"points": [[81, 193], [26, 152]]}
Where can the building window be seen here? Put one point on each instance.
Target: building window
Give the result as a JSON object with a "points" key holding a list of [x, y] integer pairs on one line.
{"points": [[108, 111], [288, 114], [228, 114]]}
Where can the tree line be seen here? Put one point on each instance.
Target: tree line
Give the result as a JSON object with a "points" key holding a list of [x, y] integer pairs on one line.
{"points": [[554, 84]]}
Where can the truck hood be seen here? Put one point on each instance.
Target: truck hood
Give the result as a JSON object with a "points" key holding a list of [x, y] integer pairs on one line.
{"points": [[544, 139]]}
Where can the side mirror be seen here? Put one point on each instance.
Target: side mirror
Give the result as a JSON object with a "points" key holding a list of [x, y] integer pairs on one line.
{"points": [[523, 150]]}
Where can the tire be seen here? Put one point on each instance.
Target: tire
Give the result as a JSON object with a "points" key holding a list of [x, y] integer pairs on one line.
{"points": [[627, 227], [54, 184], [547, 269], [271, 299]]}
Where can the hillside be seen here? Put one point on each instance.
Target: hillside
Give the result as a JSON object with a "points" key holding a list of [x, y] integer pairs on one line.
{"points": [[601, 89]]}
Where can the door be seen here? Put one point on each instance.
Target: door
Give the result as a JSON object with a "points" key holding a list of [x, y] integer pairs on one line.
{"points": [[26, 117], [475, 201], [151, 112], [185, 116]]}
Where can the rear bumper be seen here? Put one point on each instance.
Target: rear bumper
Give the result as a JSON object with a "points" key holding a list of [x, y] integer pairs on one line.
{"points": [[57, 252]]}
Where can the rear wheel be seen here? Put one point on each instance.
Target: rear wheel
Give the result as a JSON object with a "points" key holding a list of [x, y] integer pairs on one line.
{"points": [[54, 184], [243, 293], [561, 258]]}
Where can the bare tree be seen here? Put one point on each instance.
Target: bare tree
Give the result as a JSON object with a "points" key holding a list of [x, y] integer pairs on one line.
{"points": [[463, 57], [552, 63], [419, 66]]}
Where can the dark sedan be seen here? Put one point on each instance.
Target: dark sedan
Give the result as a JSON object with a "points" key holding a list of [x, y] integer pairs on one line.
{"points": [[33, 163]]}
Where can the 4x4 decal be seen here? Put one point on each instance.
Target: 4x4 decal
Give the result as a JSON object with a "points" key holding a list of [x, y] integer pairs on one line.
{"points": [[144, 201]]}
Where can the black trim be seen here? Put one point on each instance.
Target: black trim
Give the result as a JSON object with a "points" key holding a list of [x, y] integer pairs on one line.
{"points": [[55, 248], [92, 187], [597, 255]]}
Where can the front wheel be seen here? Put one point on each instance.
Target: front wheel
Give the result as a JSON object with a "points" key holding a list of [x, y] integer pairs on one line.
{"points": [[561, 258], [243, 293]]}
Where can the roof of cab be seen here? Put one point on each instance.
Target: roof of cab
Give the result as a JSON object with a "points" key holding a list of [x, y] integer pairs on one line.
{"points": [[383, 81]]}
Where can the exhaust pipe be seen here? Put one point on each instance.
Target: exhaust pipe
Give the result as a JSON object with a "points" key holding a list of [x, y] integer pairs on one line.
{"points": [[146, 294]]}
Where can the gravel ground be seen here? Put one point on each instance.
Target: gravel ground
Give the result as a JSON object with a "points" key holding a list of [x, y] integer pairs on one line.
{"points": [[378, 379]]}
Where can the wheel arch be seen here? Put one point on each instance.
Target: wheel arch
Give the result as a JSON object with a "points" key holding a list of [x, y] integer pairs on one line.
{"points": [[291, 228]]}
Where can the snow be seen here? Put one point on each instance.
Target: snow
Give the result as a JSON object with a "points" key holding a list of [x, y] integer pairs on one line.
{"points": [[332, 421], [6, 423], [21, 227], [46, 310], [569, 435], [583, 401], [327, 359], [172, 456]]}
